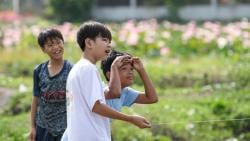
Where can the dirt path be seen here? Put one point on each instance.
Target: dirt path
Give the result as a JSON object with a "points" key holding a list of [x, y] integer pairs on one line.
{"points": [[5, 95]]}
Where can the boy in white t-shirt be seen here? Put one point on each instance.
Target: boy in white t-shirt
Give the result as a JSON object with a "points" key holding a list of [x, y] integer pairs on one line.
{"points": [[87, 112]]}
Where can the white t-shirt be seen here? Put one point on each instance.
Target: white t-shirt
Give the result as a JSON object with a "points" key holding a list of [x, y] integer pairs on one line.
{"points": [[84, 88]]}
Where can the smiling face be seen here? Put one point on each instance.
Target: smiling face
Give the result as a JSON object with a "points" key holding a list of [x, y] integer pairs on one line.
{"points": [[126, 73], [54, 48]]}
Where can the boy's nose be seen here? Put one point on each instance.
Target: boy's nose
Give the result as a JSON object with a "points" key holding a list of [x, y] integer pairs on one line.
{"points": [[56, 45], [131, 72], [109, 46]]}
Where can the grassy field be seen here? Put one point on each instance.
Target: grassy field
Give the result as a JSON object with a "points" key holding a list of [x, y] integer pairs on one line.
{"points": [[192, 92], [202, 78]]}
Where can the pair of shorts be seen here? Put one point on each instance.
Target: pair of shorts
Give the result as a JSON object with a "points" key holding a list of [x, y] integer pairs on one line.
{"points": [[42, 134]]}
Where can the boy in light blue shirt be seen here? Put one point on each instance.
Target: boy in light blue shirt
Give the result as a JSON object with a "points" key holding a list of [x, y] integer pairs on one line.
{"points": [[128, 95]]}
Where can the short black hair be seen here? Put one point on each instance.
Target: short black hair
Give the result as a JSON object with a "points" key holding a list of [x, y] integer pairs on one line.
{"points": [[107, 62], [48, 34], [92, 29]]}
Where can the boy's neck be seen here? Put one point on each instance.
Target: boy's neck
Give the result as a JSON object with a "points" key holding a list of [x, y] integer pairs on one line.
{"points": [[89, 57], [53, 62], [122, 87]]}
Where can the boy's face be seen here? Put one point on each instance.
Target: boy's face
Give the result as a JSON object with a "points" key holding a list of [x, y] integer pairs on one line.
{"points": [[101, 47], [54, 48], [126, 73]]}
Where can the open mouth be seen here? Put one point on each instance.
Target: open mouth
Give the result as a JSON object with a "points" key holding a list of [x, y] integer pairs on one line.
{"points": [[57, 52], [107, 51], [130, 78]]}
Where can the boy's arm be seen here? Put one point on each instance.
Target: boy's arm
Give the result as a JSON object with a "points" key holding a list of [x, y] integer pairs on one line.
{"points": [[114, 85], [32, 134], [106, 111], [150, 95]]}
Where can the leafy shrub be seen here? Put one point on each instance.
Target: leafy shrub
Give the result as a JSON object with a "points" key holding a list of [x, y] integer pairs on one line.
{"points": [[240, 72], [14, 128], [19, 103]]}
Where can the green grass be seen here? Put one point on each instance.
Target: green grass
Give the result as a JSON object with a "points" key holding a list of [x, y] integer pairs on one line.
{"points": [[198, 88], [14, 128], [179, 116]]}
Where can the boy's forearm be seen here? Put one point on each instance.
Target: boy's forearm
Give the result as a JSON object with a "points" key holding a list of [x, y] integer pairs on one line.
{"points": [[33, 111], [148, 86], [106, 111], [114, 83]]}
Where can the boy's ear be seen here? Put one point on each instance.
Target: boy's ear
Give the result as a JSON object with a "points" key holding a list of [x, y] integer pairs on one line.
{"points": [[88, 42], [43, 49], [108, 74]]}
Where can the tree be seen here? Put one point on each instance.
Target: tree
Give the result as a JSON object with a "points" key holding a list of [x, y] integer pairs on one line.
{"points": [[71, 10]]}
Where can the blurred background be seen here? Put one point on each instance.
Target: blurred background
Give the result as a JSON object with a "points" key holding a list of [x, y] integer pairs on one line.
{"points": [[196, 52]]}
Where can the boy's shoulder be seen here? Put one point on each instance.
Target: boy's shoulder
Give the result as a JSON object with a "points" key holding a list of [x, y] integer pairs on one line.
{"points": [[68, 64], [128, 91], [39, 66], [85, 64]]}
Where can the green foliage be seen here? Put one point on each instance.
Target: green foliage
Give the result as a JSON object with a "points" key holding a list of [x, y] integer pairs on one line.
{"points": [[188, 116], [23, 66], [242, 126], [14, 128], [71, 10], [14, 82], [173, 8], [221, 107], [241, 71], [19, 103], [191, 84]]}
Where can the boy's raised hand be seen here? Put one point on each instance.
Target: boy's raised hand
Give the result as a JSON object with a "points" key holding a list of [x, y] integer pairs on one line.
{"points": [[120, 60], [140, 122], [137, 64]]}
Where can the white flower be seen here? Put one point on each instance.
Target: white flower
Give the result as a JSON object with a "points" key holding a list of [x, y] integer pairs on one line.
{"points": [[191, 112], [232, 139], [221, 42], [189, 126], [22, 88]]}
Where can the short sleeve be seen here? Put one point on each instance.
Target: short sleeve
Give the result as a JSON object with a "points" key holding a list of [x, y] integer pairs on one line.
{"points": [[70, 65], [129, 96], [36, 90], [93, 87]]}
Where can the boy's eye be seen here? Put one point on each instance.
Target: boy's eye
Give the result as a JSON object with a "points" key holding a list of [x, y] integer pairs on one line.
{"points": [[50, 45], [122, 68], [105, 39], [59, 42]]}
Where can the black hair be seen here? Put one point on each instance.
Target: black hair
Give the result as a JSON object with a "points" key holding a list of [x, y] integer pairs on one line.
{"points": [[48, 34], [92, 29], [107, 62]]}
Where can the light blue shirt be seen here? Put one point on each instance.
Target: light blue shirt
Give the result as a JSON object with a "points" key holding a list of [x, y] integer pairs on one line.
{"points": [[127, 98]]}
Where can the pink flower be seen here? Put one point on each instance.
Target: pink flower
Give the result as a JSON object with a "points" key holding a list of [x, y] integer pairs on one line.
{"points": [[150, 37], [123, 35], [11, 37], [164, 51], [132, 39]]}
